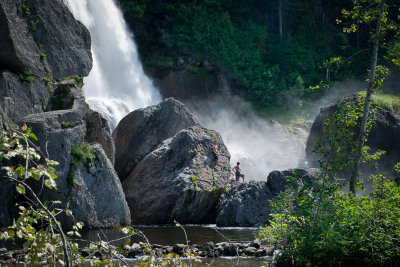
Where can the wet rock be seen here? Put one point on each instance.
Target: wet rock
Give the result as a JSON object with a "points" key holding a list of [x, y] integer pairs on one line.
{"points": [[179, 248], [96, 200], [209, 246], [250, 251], [43, 37], [179, 180], [141, 131], [260, 253], [255, 244], [231, 249]]}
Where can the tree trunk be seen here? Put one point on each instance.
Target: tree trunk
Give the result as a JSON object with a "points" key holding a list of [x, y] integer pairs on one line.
{"points": [[280, 18], [367, 103]]}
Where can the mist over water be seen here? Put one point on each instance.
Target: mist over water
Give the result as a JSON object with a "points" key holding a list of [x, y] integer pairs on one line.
{"points": [[116, 84], [260, 145]]}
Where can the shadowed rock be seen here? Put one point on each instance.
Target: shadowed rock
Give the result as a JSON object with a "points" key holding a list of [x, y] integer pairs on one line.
{"points": [[249, 203], [383, 136]]}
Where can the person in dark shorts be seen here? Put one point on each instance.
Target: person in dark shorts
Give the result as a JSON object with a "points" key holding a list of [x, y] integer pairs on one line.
{"points": [[215, 152], [237, 172]]}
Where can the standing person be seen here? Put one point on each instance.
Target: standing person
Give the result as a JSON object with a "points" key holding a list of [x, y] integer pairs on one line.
{"points": [[215, 153], [237, 172]]}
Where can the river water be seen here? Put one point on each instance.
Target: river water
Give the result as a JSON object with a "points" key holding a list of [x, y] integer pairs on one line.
{"points": [[171, 234]]}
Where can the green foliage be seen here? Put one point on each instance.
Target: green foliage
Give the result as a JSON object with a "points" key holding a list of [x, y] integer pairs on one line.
{"points": [[27, 76], [82, 155], [78, 80], [329, 228], [43, 57], [397, 167], [193, 178], [34, 24], [214, 180], [37, 231], [337, 147], [316, 224], [46, 80], [70, 124], [386, 101], [26, 9]]}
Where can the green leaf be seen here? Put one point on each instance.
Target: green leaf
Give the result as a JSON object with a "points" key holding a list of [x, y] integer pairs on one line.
{"points": [[21, 189]]}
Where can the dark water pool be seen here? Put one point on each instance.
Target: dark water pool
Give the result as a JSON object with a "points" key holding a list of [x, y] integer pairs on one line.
{"points": [[171, 234]]}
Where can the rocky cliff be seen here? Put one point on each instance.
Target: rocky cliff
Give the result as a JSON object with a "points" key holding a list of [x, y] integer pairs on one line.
{"points": [[44, 52]]}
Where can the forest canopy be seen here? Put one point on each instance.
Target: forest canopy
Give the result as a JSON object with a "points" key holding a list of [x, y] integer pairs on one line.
{"points": [[277, 51]]}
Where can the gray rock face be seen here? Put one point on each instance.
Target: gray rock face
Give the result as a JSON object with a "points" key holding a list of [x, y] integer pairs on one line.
{"points": [[98, 130], [178, 180], [248, 204], [383, 136], [19, 99], [67, 96], [97, 198], [34, 27], [245, 205], [141, 131]]}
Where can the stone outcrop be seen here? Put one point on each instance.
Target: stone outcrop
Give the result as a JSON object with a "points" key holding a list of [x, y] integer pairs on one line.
{"points": [[141, 131], [383, 136], [96, 197], [43, 37], [245, 205], [19, 99], [178, 180], [248, 204], [67, 95]]}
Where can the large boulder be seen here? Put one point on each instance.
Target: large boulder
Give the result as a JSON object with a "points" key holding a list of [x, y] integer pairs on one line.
{"points": [[43, 37], [245, 205], [141, 131], [95, 192], [179, 180], [249, 203], [278, 180], [383, 136]]}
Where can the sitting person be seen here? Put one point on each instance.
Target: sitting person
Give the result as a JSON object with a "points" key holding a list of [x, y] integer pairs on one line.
{"points": [[215, 152]]}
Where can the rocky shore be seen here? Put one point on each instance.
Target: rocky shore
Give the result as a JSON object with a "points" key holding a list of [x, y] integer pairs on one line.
{"points": [[136, 250]]}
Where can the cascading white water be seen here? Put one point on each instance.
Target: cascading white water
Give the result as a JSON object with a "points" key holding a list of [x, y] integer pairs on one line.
{"points": [[116, 84]]}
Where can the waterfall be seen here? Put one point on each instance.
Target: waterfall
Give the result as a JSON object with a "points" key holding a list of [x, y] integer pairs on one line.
{"points": [[116, 84]]}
